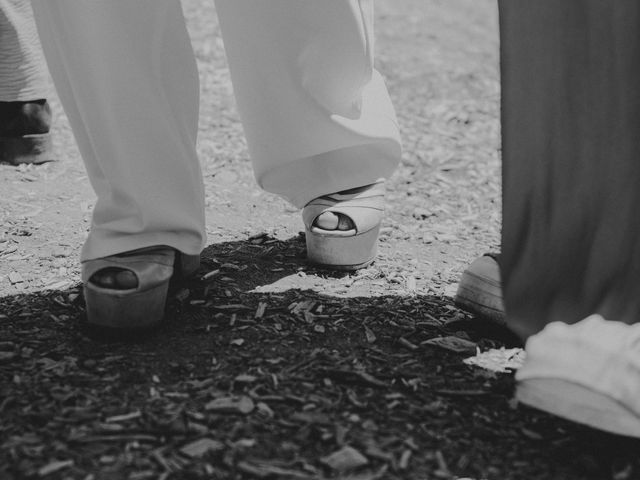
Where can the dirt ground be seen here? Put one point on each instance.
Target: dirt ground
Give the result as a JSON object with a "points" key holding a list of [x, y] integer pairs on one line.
{"points": [[265, 366]]}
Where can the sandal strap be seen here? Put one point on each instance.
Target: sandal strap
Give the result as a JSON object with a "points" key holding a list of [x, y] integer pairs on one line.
{"points": [[152, 266], [364, 206]]}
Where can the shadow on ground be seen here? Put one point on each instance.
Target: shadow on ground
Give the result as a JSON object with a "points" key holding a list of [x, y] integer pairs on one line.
{"points": [[264, 368]]}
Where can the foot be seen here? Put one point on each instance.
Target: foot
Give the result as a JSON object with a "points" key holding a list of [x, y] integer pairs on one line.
{"points": [[480, 289], [129, 290], [115, 279], [333, 221], [342, 228]]}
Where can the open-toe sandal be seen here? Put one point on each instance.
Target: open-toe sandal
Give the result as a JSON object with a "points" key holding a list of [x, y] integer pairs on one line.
{"points": [[142, 306], [345, 249]]}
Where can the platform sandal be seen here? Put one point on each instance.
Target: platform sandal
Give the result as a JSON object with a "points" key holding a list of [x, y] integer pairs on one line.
{"points": [[346, 249], [588, 372], [142, 306]]}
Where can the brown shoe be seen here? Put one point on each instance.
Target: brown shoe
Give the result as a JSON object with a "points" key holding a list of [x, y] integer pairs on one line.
{"points": [[480, 289], [25, 135]]}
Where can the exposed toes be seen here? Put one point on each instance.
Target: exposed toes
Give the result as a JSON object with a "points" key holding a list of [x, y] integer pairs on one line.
{"points": [[115, 278], [333, 221]]}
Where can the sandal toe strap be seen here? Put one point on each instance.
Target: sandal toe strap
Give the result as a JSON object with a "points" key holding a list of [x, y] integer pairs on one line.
{"points": [[151, 267], [365, 208]]}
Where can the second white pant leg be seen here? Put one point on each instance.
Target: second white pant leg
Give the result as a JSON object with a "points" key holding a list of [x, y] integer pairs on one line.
{"points": [[317, 116], [127, 78]]}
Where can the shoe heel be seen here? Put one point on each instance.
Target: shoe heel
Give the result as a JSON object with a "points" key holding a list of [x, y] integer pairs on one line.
{"points": [[35, 148], [342, 252], [125, 310]]}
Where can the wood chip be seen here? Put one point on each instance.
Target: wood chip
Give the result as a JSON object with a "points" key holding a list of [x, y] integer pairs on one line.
{"points": [[371, 337], [311, 418], [15, 277], [452, 343], [503, 360], [244, 378], [262, 307], [403, 463], [407, 344], [201, 447], [347, 458], [54, 467], [348, 376], [266, 470], [242, 405], [123, 418]]}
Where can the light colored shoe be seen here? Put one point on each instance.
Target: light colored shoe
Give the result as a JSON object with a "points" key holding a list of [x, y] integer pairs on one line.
{"points": [[588, 372], [142, 306], [346, 249], [480, 289]]}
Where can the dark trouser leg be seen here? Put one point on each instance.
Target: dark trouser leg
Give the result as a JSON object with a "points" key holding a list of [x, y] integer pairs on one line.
{"points": [[571, 152]]}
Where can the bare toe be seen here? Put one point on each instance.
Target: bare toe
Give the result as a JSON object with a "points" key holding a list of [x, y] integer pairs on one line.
{"points": [[115, 278], [327, 221]]}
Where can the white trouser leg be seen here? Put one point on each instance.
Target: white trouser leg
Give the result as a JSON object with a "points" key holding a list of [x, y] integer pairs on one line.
{"points": [[317, 116], [127, 78], [23, 73]]}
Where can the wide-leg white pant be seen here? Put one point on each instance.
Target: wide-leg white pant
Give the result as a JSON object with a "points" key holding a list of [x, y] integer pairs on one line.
{"points": [[316, 114], [23, 73]]}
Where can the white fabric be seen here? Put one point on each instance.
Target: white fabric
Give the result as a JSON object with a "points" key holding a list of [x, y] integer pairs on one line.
{"points": [[317, 116], [23, 73]]}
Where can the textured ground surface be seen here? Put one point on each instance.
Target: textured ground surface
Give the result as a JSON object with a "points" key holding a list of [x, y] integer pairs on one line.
{"points": [[268, 368]]}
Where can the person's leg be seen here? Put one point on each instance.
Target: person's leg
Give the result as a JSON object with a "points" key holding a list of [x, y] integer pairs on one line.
{"points": [[127, 78], [571, 116], [317, 116], [571, 244], [25, 115]]}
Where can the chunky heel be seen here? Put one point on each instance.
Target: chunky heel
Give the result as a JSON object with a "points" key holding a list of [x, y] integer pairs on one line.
{"points": [[342, 253], [124, 309], [35, 148]]}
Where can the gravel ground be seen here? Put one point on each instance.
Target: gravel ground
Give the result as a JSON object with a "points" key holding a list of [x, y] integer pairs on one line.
{"points": [[266, 367]]}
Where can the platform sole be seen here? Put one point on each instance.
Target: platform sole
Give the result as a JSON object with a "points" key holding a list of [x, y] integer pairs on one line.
{"points": [[574, 402], [346, 253], [26, 149], [123, 311]]}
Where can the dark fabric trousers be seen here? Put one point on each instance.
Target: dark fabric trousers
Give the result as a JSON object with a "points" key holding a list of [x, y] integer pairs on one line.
{"points": [[571, 161]]}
